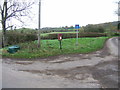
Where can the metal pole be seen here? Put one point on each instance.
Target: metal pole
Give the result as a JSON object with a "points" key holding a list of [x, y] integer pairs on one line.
{"points": [[39, 44], [77, 37], [60, 44]]}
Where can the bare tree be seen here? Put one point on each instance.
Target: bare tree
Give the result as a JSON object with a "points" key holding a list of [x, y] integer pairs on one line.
{"points": [[118, 12], [13, 9], [119, 8]]}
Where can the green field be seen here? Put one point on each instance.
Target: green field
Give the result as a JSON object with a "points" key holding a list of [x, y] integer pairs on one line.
{"points": [[51, 47]]}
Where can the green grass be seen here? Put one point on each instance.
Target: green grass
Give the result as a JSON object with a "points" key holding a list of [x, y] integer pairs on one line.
{"points": [[51, 47]]}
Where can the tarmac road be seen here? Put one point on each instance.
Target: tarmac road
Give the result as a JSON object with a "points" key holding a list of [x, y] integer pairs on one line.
{"points": [[95, 70]]}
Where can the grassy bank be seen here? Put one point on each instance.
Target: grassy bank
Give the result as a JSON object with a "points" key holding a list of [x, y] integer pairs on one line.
{"points": [[51, 47]]}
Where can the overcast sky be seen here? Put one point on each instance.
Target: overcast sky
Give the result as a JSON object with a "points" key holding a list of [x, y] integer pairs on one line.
{"points": [[58, 13]]}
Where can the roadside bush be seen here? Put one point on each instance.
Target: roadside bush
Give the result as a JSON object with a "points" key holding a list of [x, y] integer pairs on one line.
{"points": [[15, 37], [94, 28]]}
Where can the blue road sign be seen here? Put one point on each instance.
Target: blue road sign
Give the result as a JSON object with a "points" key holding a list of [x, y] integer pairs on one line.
{"points": [[77, 26]]}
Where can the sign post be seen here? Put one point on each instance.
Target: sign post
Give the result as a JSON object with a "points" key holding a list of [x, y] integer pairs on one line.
{"points": [[77, 27], [60, 39], [60, 44]]}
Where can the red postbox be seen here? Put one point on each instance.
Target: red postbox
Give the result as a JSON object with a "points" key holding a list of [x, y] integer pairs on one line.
{"points": [[59, 36]]}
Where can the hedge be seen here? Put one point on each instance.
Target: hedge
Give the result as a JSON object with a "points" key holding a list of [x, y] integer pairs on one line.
{"points": [[15, 37], [73, 35]]}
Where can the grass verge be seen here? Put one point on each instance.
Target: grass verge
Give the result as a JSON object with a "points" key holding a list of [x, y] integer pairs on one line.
{"points": [[51, 48]]}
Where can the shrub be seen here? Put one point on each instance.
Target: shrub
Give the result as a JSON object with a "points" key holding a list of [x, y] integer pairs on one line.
{"points": [[94, 28], [15, 37]]}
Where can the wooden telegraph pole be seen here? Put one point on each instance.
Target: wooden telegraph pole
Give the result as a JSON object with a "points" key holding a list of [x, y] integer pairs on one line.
{"points": [[39, 25]]}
